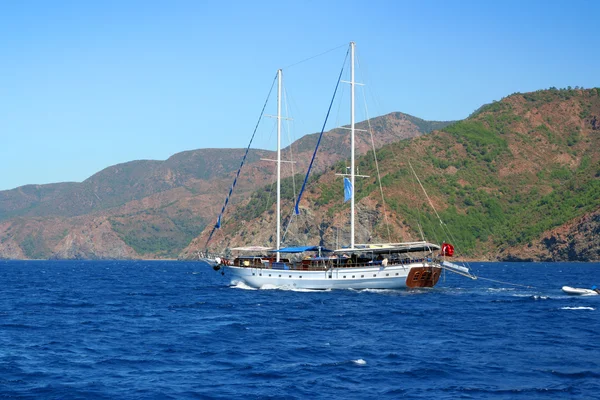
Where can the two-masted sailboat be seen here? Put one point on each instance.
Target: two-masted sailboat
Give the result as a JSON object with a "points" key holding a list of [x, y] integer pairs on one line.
{"points": [[357, 266]]}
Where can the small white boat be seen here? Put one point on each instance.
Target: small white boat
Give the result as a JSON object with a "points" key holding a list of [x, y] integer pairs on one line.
{"points": [[579, 291]]}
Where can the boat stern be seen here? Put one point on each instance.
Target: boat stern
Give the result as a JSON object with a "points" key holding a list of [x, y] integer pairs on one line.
{"points": [[419, 277]]}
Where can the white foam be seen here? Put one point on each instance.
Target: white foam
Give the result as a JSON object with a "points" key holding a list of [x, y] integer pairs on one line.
{"points": [[578, 308], [500, 289], [536, 297], [269, 286], [360, 361], [375, 290], [241, 285]]}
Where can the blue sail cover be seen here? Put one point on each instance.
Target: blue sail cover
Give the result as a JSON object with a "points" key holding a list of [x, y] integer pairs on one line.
{"points": [[296, 209], [237, 175]]}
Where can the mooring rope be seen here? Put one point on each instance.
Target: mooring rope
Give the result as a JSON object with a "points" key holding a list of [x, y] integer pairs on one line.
{"points": [[506, 283]]}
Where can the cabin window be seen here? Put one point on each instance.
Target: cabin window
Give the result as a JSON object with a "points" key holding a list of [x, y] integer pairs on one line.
{"points": [[397, 274], [269, 274], [416, 276], [387, 274], [329, 276], [362, 276], [253, 274], [300, 276], [344, 276], [374, 275], [353, 276], [259, 274]]}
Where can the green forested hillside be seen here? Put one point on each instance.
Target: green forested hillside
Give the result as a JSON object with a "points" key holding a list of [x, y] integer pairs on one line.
{"points": [[501, 179]]}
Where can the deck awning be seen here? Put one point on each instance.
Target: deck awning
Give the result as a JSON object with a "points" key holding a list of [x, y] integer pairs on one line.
{"points": [[301, 249], [252, 248], [385, 248]]}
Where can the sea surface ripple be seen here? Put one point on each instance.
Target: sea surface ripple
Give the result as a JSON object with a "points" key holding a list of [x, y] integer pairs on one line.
{"points": [[177, 330]]}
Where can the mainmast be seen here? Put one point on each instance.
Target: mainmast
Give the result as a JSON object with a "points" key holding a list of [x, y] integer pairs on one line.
{"points": [[278, 162], [352, 143]]}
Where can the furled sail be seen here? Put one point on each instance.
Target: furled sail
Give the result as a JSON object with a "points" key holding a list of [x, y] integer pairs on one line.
{"points": [[296, 209], [218, 223]]}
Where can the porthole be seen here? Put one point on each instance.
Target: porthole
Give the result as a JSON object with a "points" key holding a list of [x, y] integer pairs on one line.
{"points": [[374, 275], [329, 276], [344, 276], [253, 274], [387, 274], [362, 276], [300, 276], [269, 274], [280, 276], [290, 276], [397, 274], [259, 274], [353, 276]]}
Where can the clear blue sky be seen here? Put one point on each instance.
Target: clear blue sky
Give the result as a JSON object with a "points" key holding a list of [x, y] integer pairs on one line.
{"points": [[88, 84]]}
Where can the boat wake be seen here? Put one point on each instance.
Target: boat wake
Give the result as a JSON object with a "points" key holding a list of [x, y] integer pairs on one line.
{"points": [[291, 288], [374, 290], [242, 285], [578, 308]]}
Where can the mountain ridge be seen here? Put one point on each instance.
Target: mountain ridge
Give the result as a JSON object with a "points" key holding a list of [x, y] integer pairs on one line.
{"points": [[150, 208], [517, 180]]}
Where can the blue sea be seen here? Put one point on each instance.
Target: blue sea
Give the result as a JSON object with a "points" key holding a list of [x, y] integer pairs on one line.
{"points": [[177, 330]]}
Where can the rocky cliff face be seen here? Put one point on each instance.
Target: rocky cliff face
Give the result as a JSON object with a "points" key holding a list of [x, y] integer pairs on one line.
{"points": [[578, 240]]}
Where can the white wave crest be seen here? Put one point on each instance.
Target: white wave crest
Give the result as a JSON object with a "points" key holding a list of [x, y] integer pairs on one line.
{"points": [[537, 297], [360, 361], [270, 286], [375, 290], [578, 308], [503, 289], [241, 285]]}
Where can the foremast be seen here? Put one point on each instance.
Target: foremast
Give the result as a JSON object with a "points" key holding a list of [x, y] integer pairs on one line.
{"points": [[352, 161], [279, 78]]}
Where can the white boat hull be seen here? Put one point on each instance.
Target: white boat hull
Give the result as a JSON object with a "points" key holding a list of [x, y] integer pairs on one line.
{"points": [[389, 277], [579, 291]]}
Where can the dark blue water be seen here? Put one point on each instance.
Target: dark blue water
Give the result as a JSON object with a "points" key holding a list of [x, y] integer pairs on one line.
{"points": [[129, 330]]}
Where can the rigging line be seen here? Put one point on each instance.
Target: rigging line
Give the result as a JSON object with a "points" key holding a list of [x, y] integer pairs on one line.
{"points": [[218, 223], [434, 231], [315, 56], [420, 230], [506, 283], [287, 113], [445, 229], [285, 231], [297, 210], [387, 224], [273, 182], [424, 191]]}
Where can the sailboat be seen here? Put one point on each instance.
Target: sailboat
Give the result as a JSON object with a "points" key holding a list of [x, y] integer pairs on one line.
{"points": [[357, 266]]}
